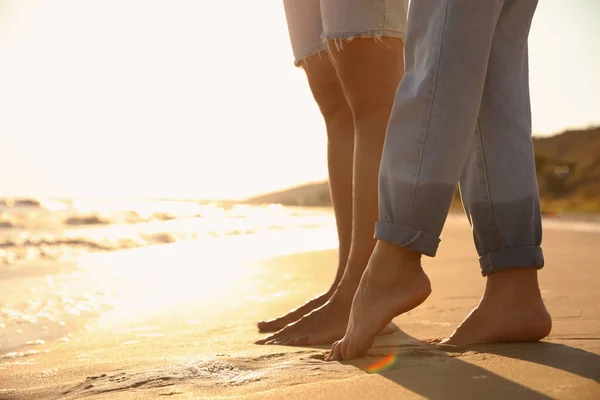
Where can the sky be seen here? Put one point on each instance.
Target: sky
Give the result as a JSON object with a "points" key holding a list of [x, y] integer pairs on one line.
{"points": [[200, 100]]}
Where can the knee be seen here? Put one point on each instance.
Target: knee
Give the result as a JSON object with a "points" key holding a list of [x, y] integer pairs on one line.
{"points": [[328, 92], [332, 103]]}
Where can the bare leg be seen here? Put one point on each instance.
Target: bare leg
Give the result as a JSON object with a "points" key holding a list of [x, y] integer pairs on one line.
{"points": [[369, 71], [329, 95]]}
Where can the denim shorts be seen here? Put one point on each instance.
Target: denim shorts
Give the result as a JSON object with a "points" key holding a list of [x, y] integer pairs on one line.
{"points": [[312, 23]]}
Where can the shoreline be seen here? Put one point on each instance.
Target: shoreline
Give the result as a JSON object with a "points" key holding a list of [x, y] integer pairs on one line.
{"points": [[201, 345]]}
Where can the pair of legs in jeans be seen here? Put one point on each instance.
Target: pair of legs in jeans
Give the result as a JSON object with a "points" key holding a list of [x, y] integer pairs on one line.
{"points": [[461, 116]]}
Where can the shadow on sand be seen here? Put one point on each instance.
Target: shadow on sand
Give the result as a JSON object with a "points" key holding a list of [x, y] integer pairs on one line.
{"points": [[443, 372]]}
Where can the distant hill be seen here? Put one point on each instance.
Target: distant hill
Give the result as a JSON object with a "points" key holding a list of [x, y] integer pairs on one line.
{"points": [[569, 164], [568, 167], [309, 195]]}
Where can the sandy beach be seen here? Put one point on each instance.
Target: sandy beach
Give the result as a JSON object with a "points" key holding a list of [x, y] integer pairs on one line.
{"points": [[170, 178], [201, 345]]}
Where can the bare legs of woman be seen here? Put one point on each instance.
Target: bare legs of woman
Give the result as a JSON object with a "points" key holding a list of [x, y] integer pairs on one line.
{"points": [[328, 93], [367, 73]]}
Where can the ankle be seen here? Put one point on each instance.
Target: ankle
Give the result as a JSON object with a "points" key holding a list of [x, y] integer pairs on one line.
{"points": [[399, 252], [398, 260], [519, 284], [345, 290], [357, 262], [514, 279]]}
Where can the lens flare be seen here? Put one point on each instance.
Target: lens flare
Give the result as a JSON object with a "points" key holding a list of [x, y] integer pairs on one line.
{"points": [[382, 364]]}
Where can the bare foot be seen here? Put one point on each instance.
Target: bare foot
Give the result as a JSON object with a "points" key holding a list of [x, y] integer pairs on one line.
{"points": [[511, 310], [323, 325], [392, 284], [294, 315]]}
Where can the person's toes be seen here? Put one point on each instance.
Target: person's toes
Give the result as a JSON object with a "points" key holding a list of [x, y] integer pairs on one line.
{"points": [[389, 328], [280, 340], [269, 325], [287, 341], [262, 340], [332, 355], [262, 324], [269, 338], [344, 347], [300, 341], [290, 340], [338, 353]]}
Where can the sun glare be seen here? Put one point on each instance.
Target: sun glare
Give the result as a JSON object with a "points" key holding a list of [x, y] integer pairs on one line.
{"points": [[158, 99]]}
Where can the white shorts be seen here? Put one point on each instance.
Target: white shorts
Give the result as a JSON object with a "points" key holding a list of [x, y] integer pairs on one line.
{"points": [[312, 23]]}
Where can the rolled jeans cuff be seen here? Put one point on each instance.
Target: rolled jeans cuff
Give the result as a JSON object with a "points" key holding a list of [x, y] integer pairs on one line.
{"points": [[517, 257], [407, 237]]}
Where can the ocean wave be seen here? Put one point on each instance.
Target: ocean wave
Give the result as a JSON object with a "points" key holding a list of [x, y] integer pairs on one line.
{"points": [[103, 244], [61, 229], [86, 220], [127, 217], [16, 250], [34, 203], [52, 221]]}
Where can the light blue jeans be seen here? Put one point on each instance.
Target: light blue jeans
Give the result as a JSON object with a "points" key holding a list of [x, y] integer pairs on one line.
{"points": [[462, 115]]}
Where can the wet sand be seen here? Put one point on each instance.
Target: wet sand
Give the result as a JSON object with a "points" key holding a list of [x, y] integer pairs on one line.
{"points": [[202, 347]]}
